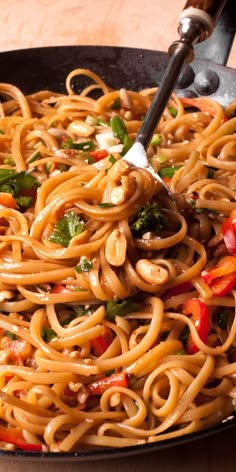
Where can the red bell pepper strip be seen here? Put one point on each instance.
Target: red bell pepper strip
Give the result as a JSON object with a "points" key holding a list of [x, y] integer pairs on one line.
{"points": [[222, 277], [100, 344], [229, 233], [58, 288], [99, 154], [178, 290], [201, 318], [15, 436], [101, 385], [224, 285]]}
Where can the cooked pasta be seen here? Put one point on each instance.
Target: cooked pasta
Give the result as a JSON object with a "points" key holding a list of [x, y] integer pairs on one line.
{"points": [[117, 312]]}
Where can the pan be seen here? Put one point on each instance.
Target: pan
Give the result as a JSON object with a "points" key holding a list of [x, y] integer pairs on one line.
{"points": [[46, 68]]}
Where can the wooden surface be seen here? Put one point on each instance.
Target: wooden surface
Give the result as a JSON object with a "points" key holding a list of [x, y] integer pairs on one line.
{"points": [[137, 23]]}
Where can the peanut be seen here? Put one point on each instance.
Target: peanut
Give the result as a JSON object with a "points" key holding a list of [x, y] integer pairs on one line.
{"points": [[115, 251], [80, 128], [151, 273]]}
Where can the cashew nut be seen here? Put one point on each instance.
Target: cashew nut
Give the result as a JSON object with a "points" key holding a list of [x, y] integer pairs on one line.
{"points": [[151, 273], [115, 251], [80, 128], [119, 169]]}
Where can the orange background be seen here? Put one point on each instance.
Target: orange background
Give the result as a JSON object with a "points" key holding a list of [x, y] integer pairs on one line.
{"points": [[138, 23]]}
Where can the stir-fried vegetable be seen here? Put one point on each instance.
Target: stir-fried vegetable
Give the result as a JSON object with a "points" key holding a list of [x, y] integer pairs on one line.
{"points": [[66, 229], [200, 316]]}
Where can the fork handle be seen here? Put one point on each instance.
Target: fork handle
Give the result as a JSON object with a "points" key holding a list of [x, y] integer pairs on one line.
{"points": [[205, 12]]}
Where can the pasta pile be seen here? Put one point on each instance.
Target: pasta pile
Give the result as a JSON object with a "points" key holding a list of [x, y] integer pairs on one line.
{"points": [[117, 312]]}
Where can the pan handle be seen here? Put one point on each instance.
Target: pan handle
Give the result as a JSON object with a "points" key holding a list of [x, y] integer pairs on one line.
{"points": [[217, 47]]}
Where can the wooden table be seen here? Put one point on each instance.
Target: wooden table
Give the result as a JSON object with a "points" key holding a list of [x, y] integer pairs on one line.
{"points": [[136, 23]]}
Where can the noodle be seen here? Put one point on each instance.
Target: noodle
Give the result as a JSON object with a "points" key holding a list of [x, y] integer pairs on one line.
{"points": [[117, 313]]}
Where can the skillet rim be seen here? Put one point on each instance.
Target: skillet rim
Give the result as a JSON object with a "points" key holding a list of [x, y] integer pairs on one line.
{"points": [[106, 453]]}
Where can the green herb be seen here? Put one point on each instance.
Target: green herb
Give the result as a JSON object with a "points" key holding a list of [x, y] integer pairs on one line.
{"points": [[1, 131], [223, 318], [112, 159], [90, 160], [202, 210], [184, 335], [10, 335], [180, 352], [84, 266], [156, 139], [120, 308], [24, 202], [210, 172], [149, 218], [13, 182], [116, 104], [173, 111], [9, 161], [168, 171], [35, 157], [109, 372], [106, 205], [84, 146], [48, 334], [63, 167], [67, 228], [80, 310]]}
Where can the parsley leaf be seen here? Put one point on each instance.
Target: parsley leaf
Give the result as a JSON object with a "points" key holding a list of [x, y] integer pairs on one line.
{"points": [[11, 335], [48, 334], [13, 182], [84, 266], [120, 308], [106, 205], [149, 218], [67, 228]]}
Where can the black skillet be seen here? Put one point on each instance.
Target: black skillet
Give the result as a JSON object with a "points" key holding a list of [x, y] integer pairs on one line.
{"points": [[46, 68]]}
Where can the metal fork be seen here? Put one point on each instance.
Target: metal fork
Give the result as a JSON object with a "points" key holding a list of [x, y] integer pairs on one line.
{"points": [[196, 24]]}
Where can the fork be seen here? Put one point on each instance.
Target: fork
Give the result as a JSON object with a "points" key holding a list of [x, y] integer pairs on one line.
{"points": [[195, 24]]}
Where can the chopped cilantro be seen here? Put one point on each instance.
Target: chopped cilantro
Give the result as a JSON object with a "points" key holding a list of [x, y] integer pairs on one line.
{"points": [[1, 131], [210, 172], [116, 104], [13, 182], [106, 205], [120, 308], [149, 218], [84, 266], [11, 335], [23, 202], [48, 334], [80, 310], [223, 318], [184, 335], [67, 228], [201, 210]]}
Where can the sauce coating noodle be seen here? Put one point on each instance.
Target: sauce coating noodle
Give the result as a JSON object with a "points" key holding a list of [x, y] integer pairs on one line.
{"points": [[113, 332]]}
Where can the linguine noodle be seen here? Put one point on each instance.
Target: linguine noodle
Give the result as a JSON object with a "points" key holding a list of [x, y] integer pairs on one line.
{"points": [[112, 334]]}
